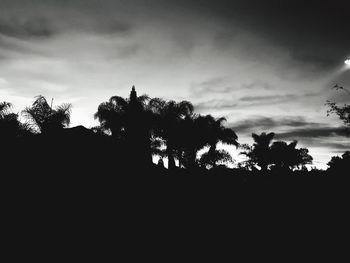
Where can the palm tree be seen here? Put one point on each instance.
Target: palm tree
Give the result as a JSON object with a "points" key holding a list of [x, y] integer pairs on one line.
{"points": [[111, 115], [114, 115], [194, 134], [10, 126], [4, 107], [169, 115], [46, 119], [130, 120], [287, 156], [8, 121], [260, 153], [213, 158], [218, 133]]}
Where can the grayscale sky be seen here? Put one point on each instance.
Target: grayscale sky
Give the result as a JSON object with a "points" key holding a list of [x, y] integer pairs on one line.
{"points": [[265, 65]]}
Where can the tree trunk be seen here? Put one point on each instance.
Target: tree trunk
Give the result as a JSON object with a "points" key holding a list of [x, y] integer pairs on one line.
{"points": [[264, 168], [211, 153], [171, 160]]}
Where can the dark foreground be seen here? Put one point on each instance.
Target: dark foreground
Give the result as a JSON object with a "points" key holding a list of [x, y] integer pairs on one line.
{"points": [[85, 191], [92, 167]]}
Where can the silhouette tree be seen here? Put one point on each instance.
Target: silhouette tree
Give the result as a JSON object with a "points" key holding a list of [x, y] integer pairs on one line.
{"points": [[111, 116], [114, 114], [160, 163], [195, 135], [303, 158], [287, 157], [215, 157], [136, 128], [250, 163], [4, 108], [8, 121], [169, 115], [342, 111], [340, 164], [260, 153], [10, 126], [46, 119], [130, 120], [217, 133]]}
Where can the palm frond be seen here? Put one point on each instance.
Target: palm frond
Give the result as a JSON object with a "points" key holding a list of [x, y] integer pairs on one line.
{"points": [[143, 99], [228, 136], [5, 106], [62, 114], [32, 117], [118, 102]]}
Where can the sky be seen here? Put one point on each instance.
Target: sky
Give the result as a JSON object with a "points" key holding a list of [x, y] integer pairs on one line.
{"points": [[267, 66]]}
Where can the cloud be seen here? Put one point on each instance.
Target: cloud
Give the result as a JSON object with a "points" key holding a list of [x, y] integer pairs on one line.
{"points": [[340, 147], [257, 85], [314, 32], [20, 48], [323, 138], [314, 132], [250, 101], [276, 98], [215, 104], [270, 98], [37, 27], [216, 85], [44, 19], [270, 124], [3, 81], [225, 86]]}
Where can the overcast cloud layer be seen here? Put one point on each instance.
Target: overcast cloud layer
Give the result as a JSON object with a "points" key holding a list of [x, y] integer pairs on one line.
{"points": [[265, 65]]}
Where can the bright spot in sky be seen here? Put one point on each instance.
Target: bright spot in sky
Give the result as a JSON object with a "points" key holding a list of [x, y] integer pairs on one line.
{"points": [[347, 62]]}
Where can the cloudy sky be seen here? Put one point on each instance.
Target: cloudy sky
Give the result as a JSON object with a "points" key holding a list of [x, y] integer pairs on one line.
{"points": [[265, 65]]}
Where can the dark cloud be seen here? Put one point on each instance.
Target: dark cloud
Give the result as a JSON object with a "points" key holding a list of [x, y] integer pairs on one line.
{"points": [[116, 27], [314, 132], [276, 98], [249, 101], [341, 147], [26, 28], [11, 47], [257, 85], [270, 124], [227, 104], [334, 139], [310, 134], [314, 32], [221, 85], [29, 19]]}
